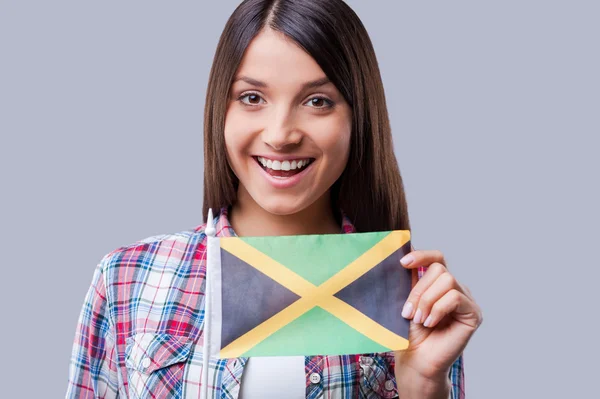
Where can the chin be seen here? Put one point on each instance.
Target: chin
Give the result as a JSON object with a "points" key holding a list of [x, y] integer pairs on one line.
{"points": [[281, 207]]}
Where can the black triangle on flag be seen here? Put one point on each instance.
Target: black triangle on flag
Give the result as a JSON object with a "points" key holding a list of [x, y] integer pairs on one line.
{"points": [[243, 285], [381, 292]]}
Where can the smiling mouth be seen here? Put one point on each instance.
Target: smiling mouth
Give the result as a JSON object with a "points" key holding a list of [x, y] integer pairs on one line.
{"points": [[283, 169]]}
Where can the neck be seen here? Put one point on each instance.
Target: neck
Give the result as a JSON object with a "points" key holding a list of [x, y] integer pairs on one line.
{"points": [[249, 219]]}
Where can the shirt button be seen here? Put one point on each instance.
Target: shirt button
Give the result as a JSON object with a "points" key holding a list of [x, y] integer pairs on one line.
{"points": [[389, 385], [146, 362], [366, 360], [315, 378]]}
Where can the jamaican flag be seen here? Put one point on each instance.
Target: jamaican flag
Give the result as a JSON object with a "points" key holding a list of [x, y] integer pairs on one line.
{"points": [[307, 295]]}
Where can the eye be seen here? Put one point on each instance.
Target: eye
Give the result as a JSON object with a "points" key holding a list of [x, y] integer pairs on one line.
{"points": [[252, 97], [318, 101]]}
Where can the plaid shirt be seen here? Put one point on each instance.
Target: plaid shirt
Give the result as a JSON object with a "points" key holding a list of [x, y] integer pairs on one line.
{"points": [[140, 332]]}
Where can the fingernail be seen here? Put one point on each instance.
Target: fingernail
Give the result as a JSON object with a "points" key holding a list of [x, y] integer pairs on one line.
{"points": [[407, 310], [407, 260], [417, 318], [428, 321]]}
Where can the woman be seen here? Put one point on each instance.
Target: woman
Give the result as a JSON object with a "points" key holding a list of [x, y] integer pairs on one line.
{"points": [[296, 141]]}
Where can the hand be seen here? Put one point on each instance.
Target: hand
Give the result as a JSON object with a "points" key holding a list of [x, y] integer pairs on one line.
{"points": [[448, 311]]}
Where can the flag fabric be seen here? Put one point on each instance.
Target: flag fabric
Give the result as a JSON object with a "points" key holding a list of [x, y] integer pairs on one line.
{"points": [[329, 294]]}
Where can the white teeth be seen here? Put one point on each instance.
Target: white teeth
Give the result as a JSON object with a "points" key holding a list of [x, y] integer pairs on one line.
{"points": [[283, 165]]}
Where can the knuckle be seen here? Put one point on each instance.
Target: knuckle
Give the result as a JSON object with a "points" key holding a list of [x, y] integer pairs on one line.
{"points": [[454, 295], [415, 295], [439, 256], [448, 279], [437, 308], [425, 301], [437, 268]]}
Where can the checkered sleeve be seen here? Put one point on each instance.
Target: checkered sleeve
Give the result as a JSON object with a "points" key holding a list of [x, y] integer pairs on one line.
{"points": [[457, 377], [93, 369]]}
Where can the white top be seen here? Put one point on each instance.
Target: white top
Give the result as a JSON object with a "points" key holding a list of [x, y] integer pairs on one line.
{"points": [[270, 376]]}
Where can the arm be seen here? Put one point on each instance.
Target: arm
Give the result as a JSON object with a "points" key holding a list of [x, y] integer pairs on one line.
{"points": [[93, 367], [412, 385]]}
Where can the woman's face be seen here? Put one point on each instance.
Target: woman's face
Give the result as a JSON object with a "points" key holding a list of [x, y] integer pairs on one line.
{"points": [[287, 141]]}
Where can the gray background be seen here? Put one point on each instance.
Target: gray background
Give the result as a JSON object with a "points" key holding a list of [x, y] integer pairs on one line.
{"points": [[495, 113]]}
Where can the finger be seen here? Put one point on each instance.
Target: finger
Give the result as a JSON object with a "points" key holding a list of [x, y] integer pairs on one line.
{"points": [[444, 283], [417, 259], [453, 301], [410, 306], [418, 272]]}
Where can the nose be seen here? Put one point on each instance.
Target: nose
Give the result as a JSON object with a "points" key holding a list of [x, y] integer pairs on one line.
{"points": [[281, 131]]}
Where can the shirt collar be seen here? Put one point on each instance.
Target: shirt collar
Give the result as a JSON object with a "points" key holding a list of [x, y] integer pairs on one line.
{"points": [[224, 228]]}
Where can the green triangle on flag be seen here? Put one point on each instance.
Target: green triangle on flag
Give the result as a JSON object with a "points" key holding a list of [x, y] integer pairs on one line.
{"points": [[309, 255], [316, 331]]}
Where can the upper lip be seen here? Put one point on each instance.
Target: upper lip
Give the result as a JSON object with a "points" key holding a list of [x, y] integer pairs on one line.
{"points": [[284, 157]]}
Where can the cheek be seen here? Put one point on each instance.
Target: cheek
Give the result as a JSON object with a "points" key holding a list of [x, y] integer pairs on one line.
{"points": [[334, 141], [237, 137], [341, 153]]}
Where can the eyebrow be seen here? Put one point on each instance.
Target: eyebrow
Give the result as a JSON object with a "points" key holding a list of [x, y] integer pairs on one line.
{"points": [[308, 85]]}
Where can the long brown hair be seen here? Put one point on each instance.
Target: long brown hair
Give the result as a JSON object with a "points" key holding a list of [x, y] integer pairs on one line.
{"points": [[370, 190]]}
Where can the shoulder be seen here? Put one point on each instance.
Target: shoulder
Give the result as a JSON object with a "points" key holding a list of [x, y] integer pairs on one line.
{"points": [[161, 253], [154, 282]]}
